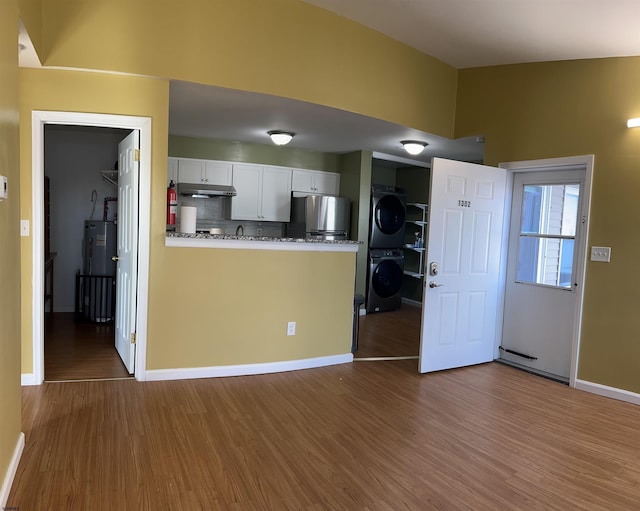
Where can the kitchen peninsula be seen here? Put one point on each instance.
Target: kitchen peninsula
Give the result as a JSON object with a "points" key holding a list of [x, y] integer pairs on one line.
{"points": [[205, 240], [234, 300]]}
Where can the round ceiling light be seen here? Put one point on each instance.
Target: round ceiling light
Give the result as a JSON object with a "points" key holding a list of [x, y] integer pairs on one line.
{"points": [[280, 137], [413, 147]]}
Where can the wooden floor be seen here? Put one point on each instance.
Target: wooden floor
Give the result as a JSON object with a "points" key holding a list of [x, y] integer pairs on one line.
{"points": [[390, 334], [362, 436], [79, 351]]}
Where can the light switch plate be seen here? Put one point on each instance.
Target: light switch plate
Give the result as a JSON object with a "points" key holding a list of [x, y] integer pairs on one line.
{"points": [[601, 254], [24, 227]]}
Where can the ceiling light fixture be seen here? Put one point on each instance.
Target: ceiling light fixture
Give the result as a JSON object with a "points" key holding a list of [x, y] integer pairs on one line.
{"points": [[413, 147], [633, 123], [280, 137]]}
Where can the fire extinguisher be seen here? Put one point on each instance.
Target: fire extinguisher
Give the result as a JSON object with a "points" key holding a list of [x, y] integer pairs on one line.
{"points": [[172, 204]]}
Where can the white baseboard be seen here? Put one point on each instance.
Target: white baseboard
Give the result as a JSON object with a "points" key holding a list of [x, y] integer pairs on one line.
{"points": [[11, 472], [246, 369], [612, 392], [28, 379]]}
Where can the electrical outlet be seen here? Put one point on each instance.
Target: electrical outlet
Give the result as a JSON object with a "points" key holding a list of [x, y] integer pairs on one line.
{"points": [[601, 254], [291, 328], [259, 231]]}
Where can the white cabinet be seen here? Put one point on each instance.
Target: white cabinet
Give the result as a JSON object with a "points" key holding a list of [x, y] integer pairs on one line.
{"points": [[204, 171], [263, 193], [313, 181], [415, 230]]}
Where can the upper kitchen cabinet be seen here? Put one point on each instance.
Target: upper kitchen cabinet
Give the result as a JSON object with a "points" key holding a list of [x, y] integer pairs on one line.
{"points": [[315, 182], [263, 193], [204, 171]]}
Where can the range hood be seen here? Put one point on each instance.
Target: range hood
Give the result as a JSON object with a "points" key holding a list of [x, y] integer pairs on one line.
{"points": [[203, 190]]}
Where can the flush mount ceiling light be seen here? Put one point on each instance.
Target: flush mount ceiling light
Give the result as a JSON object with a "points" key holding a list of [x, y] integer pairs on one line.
{"points": [[633, 123], [280, 137], [413, 147]]}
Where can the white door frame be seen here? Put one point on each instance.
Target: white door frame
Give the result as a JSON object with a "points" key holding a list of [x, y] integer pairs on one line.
{"points": [[547, 165], [38, 119]]}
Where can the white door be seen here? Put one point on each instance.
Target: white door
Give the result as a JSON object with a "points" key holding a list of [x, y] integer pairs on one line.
{"points": [[127, 270], [541, 292], [460, 305]]}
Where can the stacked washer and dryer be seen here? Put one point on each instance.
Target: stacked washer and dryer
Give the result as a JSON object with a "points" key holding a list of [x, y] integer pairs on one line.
{"points": [[386, 257]]}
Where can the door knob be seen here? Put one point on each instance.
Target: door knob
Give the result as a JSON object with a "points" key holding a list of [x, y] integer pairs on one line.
{"points": [[115, 259], [432, 284]]}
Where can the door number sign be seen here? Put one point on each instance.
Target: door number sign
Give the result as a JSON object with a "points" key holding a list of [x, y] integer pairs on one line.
{"points": [[464, 203]]}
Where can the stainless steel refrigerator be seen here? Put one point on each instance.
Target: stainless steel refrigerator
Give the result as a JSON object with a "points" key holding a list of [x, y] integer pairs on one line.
{"points": [[324, 217]]}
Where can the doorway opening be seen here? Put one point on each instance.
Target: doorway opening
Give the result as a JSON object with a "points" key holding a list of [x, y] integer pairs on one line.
{"points": [[545, 265], [80, 218], [394, 333], [67, 338], [467, 315]]}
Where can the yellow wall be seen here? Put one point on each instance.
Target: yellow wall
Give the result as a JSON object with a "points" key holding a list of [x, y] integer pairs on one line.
{"points": [[281, 47], [89, 92], [206, 307], [225, 307], [9, 238], [545, 110]]}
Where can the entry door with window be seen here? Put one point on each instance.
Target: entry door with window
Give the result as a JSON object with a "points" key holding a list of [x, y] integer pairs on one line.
{"points": [[541, 285]]}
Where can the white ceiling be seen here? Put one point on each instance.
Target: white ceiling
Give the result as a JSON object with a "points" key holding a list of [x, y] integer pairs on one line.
{"points": [[476, 33], [462, 33], [212, 112]]}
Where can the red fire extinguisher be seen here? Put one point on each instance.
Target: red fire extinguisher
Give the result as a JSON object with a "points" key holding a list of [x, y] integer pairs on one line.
{"points": [[172, 204]]}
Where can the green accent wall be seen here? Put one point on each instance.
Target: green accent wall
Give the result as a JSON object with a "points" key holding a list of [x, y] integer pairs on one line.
{"points": [[266, 154], [355, 183]]}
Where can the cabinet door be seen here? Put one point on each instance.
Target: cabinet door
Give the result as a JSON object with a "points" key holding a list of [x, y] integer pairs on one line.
{"points": [[247, 182], [327, 183], [217, 173], [276, 194], [313, 181], [190, 171], [302, 181]]}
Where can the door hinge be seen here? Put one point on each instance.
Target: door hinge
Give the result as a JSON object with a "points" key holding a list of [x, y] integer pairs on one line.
{"points": [[136, 155], [133, 338]]}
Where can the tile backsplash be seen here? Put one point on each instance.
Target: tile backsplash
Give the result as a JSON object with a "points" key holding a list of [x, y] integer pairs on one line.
{"points": [[215, 213]]}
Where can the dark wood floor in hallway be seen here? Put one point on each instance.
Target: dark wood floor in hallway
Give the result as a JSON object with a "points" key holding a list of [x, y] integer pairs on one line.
{"points": [[390, 334], [362, 436], [80, 351]]}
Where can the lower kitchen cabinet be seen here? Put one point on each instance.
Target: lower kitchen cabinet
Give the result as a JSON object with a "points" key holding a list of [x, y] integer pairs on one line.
{"points": [[263, 193]]}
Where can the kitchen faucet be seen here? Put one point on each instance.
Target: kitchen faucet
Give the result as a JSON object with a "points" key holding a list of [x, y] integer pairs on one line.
{"points": [[240, 230]]}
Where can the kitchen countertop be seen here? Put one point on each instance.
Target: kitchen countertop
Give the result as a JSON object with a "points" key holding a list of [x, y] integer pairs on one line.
{"points": [[205, 240]]}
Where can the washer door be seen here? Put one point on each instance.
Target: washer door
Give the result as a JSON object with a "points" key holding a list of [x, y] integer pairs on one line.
{"points": [[387, 278], [389, 214]]}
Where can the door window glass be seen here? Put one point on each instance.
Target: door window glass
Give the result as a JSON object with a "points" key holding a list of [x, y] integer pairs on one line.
{"points": [[548, 225]]}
